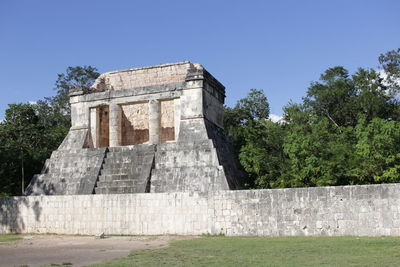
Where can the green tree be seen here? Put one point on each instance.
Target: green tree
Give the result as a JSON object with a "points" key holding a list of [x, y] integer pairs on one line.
{"points": [[54, 125], [253, 107], [332, 97], [243, 124], [372, 99], [377, 151], [343, 99], [20, 141], [247, 110], [83, 76], [325, 140], [262, 154], [318, 151]]}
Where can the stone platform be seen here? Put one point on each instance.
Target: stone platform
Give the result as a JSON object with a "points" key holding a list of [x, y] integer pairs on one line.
{"points": [[167, 167], [151, 129]]}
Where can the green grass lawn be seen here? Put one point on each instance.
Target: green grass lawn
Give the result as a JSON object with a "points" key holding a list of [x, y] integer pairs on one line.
{"points": [[9, 238], [266, 251]]}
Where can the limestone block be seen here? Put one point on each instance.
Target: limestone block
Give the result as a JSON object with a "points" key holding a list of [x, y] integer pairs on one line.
{"points": [[192, 103]]}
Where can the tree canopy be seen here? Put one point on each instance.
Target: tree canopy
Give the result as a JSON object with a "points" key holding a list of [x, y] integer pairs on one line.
{"points": [[345, 131]]}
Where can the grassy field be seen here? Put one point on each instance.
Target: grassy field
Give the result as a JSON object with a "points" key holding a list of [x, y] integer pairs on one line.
{"points": [[264, 251], [8, 238]]}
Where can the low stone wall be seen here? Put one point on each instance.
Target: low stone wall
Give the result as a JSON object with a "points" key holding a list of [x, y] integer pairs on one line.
{"points": [[371, 210]]}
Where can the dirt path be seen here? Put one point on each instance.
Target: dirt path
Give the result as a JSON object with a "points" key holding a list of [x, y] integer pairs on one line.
{"points": [[39, 250]]}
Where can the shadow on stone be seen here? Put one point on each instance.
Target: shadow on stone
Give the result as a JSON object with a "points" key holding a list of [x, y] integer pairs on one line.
{"points": [[11, 219]]}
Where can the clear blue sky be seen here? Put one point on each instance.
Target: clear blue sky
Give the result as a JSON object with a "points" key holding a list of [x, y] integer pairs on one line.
{"points": [[277, 46]]}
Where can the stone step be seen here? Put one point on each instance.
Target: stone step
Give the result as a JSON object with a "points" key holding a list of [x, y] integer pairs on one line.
{"points": [[121, 159], [120, 165], [118, 183], [128, 153], [126, 160], [125, 170], [129, 170], [115, 190], [113, 177], [108, 171], [135, 148], [186, 169]]}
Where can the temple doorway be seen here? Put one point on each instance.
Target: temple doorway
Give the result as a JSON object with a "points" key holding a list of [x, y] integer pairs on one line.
{"points": [[134, 123], [99, 126]]}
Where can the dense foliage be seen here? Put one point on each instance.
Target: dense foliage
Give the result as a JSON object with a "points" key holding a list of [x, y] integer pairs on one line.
{"points": [[345, 131], [30, 132]]}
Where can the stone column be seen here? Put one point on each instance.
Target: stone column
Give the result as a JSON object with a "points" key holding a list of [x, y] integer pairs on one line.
{"points": [[114, 124], [154, 121], [93, 125]]}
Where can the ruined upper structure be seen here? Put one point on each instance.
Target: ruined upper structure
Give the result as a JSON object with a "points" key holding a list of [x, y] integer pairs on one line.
{"points": [[151, 129]]}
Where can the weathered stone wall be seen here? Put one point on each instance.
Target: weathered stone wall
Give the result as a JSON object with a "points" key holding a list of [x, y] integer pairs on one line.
{"points": [[213, 110], [371, 210], [141, 77], [68, 172]]}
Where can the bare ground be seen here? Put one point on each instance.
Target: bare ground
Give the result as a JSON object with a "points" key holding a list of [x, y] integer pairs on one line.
{"points": [[37, 250]]}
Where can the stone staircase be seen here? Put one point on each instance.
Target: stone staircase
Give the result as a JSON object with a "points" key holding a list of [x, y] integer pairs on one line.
{"points": [[68, 172], [166, 167], [126, 169]]}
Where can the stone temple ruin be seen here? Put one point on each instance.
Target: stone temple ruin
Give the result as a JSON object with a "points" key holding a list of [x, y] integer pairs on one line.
{"points": [[151, 129], [159, 129]]}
